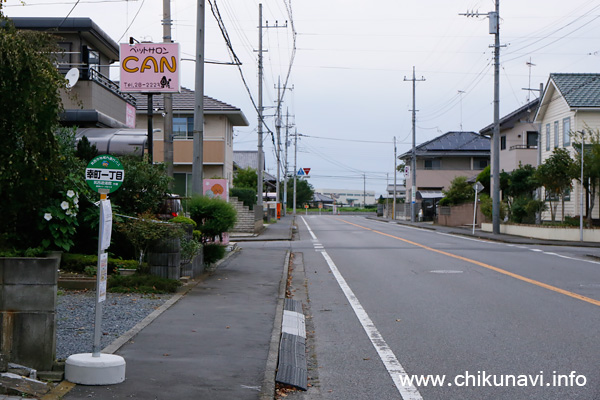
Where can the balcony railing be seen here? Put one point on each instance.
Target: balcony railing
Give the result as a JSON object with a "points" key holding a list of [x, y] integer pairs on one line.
{"points": [[110, 85], [523, 146]]}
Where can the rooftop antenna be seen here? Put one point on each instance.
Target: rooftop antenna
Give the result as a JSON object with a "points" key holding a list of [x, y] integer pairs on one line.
{"points": [[529, 65], [460, 93]]}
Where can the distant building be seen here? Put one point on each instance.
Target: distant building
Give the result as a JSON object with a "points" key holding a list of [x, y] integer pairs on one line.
{"points": [[518, 137], [349, 197], [219, 120], [321, 200], [442, 159]]}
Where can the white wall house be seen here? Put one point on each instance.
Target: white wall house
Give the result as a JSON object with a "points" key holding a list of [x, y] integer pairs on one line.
{"points": [[518, 137], [571, 103]]}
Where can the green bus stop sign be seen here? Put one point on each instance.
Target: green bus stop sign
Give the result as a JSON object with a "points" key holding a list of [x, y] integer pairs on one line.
{"points": [[104, 174]]}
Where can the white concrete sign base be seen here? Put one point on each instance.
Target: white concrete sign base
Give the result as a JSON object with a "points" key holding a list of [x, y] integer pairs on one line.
{"points": [[84, 369]]}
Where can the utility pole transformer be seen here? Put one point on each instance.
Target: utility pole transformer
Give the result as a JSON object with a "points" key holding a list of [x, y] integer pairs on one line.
{"points": [[413, 162], [198, 151]]}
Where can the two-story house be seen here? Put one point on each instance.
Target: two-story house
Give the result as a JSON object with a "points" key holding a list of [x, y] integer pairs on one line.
{"points": [[94, 104], [570, 103], [518, 137], [219, 120], [442, 159], [94, 101]]}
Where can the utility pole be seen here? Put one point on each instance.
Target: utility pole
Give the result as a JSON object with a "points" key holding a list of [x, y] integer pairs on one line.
{"points": [[395, 170], [364, 191], [278, 131], [198, 151], [413, 162], [295, 166], [494, 20], [259, 169], [460, 93], [261, 156], [168, 97], [285, 162]]}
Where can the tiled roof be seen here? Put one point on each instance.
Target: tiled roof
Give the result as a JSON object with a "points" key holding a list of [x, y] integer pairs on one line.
{"points": [[579, 90], [509, 119], [318, 197], [184, 101], [245, 158], [453, 143]]}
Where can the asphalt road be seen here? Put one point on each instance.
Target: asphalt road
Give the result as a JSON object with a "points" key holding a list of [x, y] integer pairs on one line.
{"points": [[497, 321]]}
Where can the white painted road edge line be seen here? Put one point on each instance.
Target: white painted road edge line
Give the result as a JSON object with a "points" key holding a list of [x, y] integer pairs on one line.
{"points": [[391, 363]]}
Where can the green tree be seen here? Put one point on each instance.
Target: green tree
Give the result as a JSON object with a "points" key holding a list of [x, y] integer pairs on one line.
{"points": [[245, 178], [484, 178], [459, 192], [85, 150], [144, 189], [556, 175], [30, 98], [304, 192], [520, 188], [591, 167]]}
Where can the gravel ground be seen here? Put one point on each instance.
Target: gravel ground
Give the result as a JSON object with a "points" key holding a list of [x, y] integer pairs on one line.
{"points": [[75, 316]]}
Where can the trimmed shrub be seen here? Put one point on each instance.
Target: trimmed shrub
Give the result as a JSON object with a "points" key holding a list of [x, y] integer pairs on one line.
{"points": [[213, 253], [245, 195], [213, 216], [78, 262], [141, 283], [183, 220]]}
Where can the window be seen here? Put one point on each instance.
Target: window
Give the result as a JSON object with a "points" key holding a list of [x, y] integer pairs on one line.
{"points": [[547, 137], [532, 139], [183, 127], [480, 163], [434, 163], [556, 136], [566, 131], [502, 142]]}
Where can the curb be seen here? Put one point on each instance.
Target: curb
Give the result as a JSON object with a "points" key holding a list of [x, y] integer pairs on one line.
{"points": [[267, 391]]}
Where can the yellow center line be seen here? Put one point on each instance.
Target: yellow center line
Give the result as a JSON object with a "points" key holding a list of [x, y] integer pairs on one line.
{"points": [[484, 265]]}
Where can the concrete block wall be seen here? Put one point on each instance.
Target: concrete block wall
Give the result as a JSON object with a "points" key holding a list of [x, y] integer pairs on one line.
{"points": [[28, 311]]}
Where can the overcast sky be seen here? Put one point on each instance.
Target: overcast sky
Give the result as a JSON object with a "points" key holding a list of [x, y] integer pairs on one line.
{"points": [[350, 98]]}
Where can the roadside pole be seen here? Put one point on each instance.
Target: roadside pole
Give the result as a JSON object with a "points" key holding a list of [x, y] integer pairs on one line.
{"points": [[104, 174]]}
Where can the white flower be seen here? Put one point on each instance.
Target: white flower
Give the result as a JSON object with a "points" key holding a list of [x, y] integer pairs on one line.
{"points": [[64, 205], [76, 201], [47, 216], [68, 212], [70, 193]]}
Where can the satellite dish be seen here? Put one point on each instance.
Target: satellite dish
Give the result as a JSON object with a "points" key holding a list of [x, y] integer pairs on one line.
{"points": [[72, 76]]}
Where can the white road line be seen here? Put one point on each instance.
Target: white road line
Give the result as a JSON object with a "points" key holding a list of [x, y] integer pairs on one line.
{"points": [[386, 354]]}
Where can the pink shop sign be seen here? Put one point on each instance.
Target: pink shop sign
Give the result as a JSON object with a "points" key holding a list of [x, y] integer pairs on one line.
{"points": [[150, 67]]}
